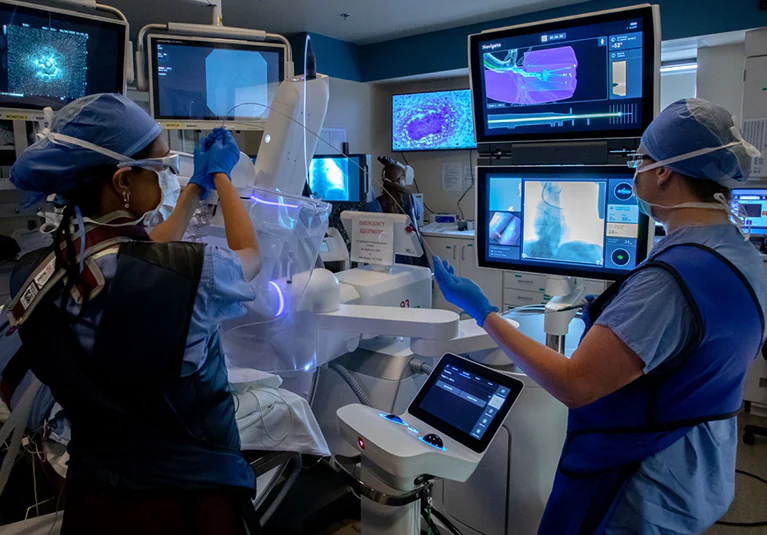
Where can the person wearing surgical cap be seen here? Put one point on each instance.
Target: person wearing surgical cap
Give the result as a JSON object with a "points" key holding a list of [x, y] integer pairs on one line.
{"points": [[121, 322], [657, 381]]}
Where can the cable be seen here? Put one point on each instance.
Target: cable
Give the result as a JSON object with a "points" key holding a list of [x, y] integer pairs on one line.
{"points": [[746, 524], [352, 382], [471, 170], [442, 518], [263, 416]]}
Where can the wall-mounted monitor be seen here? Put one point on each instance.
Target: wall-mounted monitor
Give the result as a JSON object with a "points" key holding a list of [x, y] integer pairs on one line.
{"points": [[339, 179], [198, 82], [588, 77], [437, 120], [561, 220], [752, 202], [51, 57]]}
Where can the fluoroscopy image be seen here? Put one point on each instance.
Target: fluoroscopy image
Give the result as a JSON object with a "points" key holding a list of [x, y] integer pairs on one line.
{"points": [[505, 229], [528, 77], [46, 63], [564, 222], [329, 178], [439, 120]]}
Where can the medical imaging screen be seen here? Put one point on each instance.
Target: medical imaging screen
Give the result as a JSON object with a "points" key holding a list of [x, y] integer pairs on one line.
{"points": [[51, 59], [335, 179], [209, 80], [438, 120], [561, 220], [752, 205], [564, 80]]}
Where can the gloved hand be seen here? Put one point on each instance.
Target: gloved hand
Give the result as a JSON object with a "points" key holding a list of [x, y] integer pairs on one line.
{"points": [[223, 154], [201, 176], [462, 292]]}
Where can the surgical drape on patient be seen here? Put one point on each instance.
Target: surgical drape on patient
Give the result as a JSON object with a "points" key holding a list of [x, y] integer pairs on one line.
{"points": [[276, 335]]}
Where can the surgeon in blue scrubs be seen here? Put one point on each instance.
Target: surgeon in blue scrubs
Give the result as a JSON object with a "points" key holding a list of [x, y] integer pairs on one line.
{"points": [[122, 328], [655, 384]]}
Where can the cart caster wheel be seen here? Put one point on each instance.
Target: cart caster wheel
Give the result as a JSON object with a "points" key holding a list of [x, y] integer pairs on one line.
{"points": [[749, 438]]}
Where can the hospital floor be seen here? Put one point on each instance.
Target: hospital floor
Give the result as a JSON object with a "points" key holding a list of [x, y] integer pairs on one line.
{"points": [[750, 503]]}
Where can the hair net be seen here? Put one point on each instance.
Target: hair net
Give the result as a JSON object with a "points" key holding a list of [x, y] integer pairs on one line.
{"points": [[110, 121], [693, 124]]}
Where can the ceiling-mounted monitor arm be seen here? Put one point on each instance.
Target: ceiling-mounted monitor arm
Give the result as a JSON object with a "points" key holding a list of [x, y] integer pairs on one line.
{"points": [[216, 29]]}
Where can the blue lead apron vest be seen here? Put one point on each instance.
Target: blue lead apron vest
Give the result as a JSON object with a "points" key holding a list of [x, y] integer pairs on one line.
{"points": [[137, 424], [608, 439]]}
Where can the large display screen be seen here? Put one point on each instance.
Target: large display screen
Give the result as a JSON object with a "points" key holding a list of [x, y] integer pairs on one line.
{"points": [[592, 77], [579, 221], [214, 79], [752, 203], [52, 57], [337, 178], [438, 120], [466, 401]]}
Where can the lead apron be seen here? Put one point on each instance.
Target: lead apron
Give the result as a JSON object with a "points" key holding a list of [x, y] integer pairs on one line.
{"points": [[607, 439]]}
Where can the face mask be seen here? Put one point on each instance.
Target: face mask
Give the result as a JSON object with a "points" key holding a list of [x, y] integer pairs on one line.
{"points": [[170, 189], [720, 203]]}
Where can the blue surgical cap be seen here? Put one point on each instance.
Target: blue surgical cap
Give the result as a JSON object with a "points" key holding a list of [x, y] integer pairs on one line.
{"points": [[692, 124], [110, 121]]}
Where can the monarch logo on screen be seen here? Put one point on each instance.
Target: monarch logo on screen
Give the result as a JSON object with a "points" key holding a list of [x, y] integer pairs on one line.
{"points": [[624, 191]]}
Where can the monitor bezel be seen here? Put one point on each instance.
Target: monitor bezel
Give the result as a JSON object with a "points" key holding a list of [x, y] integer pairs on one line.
{"points": [[24, 112], [391, 120], [190, 123], [363, 171], [650, 73], [514, 385], [644, 242]]}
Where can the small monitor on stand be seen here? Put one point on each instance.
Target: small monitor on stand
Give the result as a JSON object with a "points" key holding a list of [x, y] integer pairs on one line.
{"points": [[339, 178]]}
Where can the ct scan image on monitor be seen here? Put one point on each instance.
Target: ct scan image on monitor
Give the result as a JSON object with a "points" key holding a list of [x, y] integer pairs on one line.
{"points": [[579, 221], [589, 77], [338, 179]]}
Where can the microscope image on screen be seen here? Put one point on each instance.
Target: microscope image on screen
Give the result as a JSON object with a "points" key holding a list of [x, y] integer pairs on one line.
{"points": [[564, 222], [527, 76], [46, 62], [438, 120]]}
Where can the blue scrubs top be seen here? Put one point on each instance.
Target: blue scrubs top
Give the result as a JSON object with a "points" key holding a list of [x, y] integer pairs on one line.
{"points": [[688, 486]]}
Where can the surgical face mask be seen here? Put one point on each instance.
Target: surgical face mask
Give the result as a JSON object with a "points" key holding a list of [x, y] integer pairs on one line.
{"points": [[170, 189], [720, 203]]}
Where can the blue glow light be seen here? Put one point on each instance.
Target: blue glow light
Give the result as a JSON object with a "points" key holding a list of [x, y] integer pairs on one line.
{"points": [[281, 308], [384, 416], [272, 203], [432, 445]]}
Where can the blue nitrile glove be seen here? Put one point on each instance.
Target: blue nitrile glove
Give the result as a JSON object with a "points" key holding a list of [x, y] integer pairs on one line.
{"points": [[223, 154], [201, 176], [462, 292]]}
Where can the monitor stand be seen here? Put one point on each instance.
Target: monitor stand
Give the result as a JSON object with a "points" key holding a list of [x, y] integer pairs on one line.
{"points": [[561, 309]]}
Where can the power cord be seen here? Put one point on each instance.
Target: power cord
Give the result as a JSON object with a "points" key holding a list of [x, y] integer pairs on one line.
{"points": [[471, 170], [746, 524]]}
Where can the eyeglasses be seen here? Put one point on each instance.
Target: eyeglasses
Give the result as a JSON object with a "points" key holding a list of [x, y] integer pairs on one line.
{"points": [[634, 161], [171, 161]]}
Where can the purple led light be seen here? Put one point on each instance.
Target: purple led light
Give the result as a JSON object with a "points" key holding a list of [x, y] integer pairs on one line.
{"points": [[280, 296], [272, 203]]}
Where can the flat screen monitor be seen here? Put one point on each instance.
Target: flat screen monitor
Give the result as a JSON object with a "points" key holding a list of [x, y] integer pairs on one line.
{"points": [[339, 179], [466, 401], [753, 204], [51, 57], [198, 81], [437, 120], [577, 221], [590, 77]]}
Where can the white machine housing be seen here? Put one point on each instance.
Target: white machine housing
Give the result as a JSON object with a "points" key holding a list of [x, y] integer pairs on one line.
{"points": [[291, 133]]}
